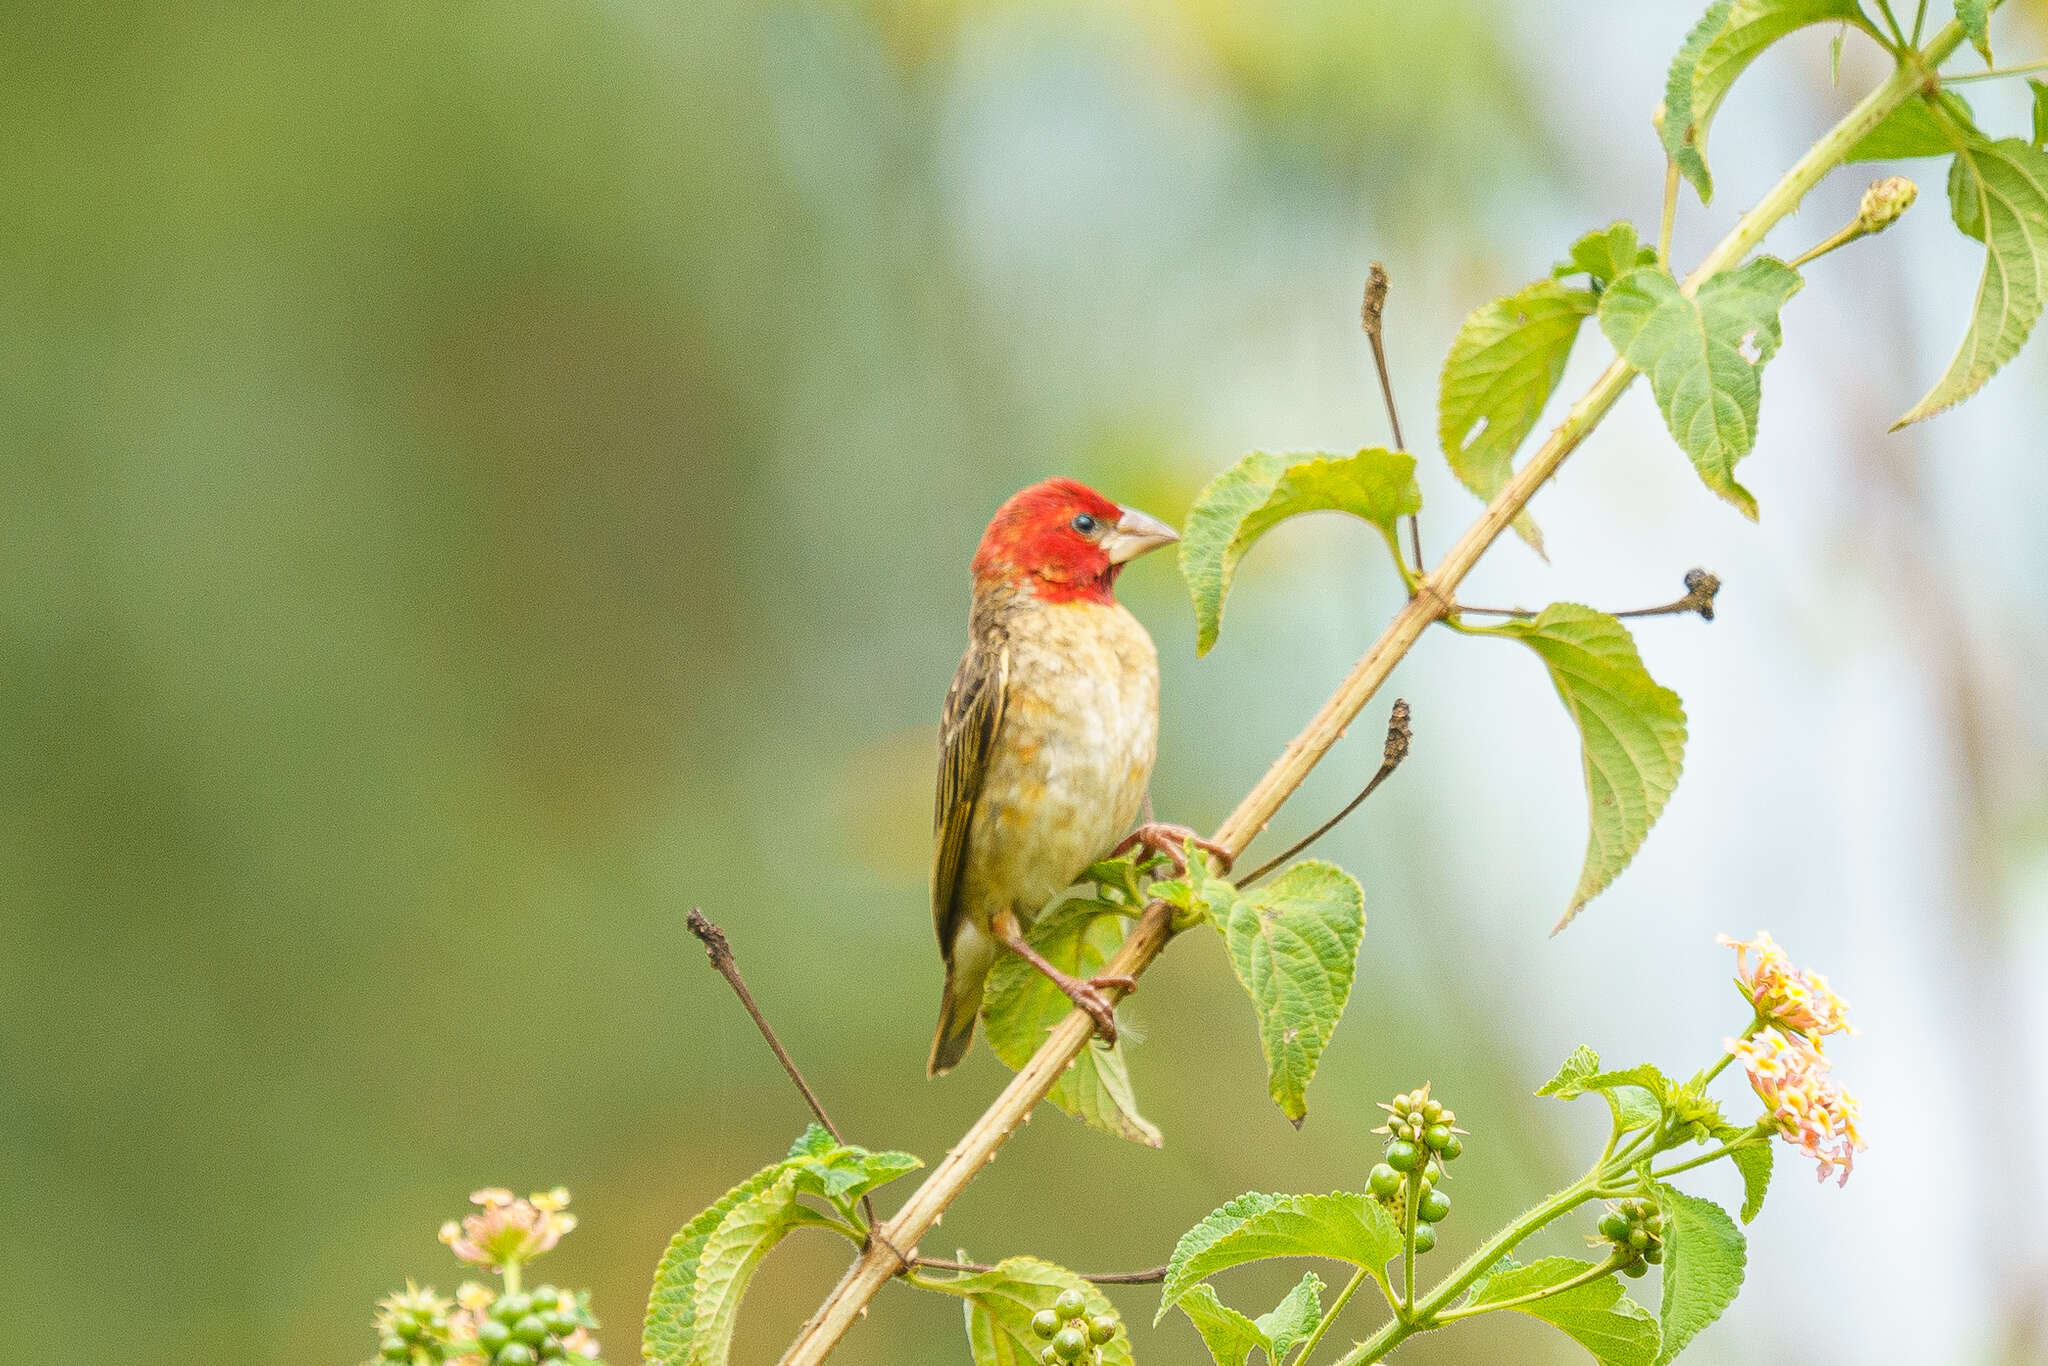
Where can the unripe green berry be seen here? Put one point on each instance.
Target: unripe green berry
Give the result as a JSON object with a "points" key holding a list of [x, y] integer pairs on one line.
{"points": [[1402, 1105], [1049, 1356], [491, 1334], [1101, 1330], [512, 1308], [1435, 1205], [393, 1348], [1045, 1323], [1070, 1304], [530, 1330], [1449, 1152], [1069, 1343], [1425, 1237], [1383, 1181], [1432, 1111], [546, 1297], [517, 1354], [1403, 1156], [1634, 1270], [1438, 1137], [1638, 1238], [560, 1322], [1654, 1253], [1614, 1226]]}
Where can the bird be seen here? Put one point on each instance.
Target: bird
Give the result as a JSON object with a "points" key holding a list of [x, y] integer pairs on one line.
{"points": [[1046, 743]]}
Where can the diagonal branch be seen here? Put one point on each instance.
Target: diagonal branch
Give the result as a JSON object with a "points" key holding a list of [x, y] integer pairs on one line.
{"points": [[1434, 597]]}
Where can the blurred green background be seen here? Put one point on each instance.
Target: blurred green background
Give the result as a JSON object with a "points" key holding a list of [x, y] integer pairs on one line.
{"points": [[483, 478]]}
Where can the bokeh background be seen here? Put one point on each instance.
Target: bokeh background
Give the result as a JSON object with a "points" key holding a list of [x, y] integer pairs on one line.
{"points": [[483, 478]]}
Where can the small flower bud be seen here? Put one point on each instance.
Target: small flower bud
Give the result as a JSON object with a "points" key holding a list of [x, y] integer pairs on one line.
{"points": [[1885, 201]]}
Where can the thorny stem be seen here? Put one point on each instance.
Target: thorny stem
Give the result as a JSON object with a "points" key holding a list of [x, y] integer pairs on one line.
{"points": [[1436, 593], [1398, 738]]}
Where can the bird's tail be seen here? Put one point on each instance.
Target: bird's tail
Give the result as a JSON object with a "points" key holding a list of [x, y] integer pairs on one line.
{"points": [[966, 975]]}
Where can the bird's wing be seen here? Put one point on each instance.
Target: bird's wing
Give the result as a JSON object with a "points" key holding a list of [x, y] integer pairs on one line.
{"points": [[967, 733]]}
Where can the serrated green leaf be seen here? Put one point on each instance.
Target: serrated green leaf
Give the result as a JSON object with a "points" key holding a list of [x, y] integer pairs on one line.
{"points": [[1264, 489], [1915, 129], [1294, 945], [670, 1327], [1294, 1318], [1606, 255], [1596, 1315], [1342, 1226], [1502, 368], [1001, 1301], [844, 1174], [1720, 47], [731, 1255], [2002, 189], [1022, 1004], [1704, 1254], [2040, 90], [1975, 17], [1753, 1160], [1631, 733], [1504, 1262], [1583, 1063], [1230, 1337], [1704, 357]]}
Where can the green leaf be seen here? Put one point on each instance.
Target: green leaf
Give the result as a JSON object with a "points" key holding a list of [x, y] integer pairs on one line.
{"points": [[1732, 34], [1596, 1315], [1294, 945], [843, 1173], [670, 1327], [1295, 1317], [1975, 17], [2001, 188], [2040, 90], [1635, 1094], [1230, 1337], [1915, 129], [1342, 1226], [1704, 356], [1631, 733], [1022, 1004], [1606, 255], [731, 1255], [1502, 368], [1583, 1063], [1264, 489], [1001, 1301], [1753, 1160], [1704, 1255]]}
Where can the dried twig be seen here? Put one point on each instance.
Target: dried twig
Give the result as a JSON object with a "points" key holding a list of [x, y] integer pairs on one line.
{"points": [[1398, 738], [1700, 587], [1372, 317]]}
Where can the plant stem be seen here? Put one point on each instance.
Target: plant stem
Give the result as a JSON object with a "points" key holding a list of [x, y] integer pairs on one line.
{"points": [[1670, 213], [1413, 1198], [1615, 1261], [1434, 597], [511, 1275], [1398, 738], [1884, 7], [2023, 69], [1919, 21], [1702, 1159], [1310, 1343]]}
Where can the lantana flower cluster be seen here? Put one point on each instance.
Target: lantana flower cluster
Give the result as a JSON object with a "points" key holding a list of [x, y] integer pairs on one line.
{"points": [[1783, 1055]]}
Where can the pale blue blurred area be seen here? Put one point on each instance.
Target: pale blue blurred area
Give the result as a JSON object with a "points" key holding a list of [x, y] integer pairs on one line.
{"points": [[485, 478]]}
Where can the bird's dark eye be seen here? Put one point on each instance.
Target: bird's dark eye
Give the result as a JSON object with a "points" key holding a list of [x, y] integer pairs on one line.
{"points": [[1084, 524]]}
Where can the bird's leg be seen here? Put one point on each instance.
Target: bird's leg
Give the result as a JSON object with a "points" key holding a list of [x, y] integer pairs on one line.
{"points": [[1086, 995], [1173, 842]]}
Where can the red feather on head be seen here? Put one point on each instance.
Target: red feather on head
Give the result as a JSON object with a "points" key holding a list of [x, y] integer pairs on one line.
{"points": [[1033, 543]]}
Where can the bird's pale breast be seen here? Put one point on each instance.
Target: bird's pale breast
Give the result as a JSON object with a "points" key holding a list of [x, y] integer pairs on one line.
{"points": [[1070, 768]]}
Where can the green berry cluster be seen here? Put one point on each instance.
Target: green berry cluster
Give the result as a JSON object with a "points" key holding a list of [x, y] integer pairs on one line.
{"points": [[1072, 1334], [1635, 1227], [522, 1329], [413, 1320], [1421, 1139]]}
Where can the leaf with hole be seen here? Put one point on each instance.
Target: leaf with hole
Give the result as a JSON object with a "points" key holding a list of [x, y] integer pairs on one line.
{"points": [[1264, 489], [1631, 733], [1294, 945], [1704, 357], [1998, 192], [1502, 368], [1704, 1255], [1596, 1315], [1022, 1006], [1719, 49], [1342, 1226]]}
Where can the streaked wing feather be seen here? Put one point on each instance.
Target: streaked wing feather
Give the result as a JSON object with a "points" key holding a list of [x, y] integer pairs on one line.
{"points": [[974, 713]]}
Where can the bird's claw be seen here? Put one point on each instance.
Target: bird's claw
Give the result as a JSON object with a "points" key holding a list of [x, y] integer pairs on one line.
{"points": [[1123, 982], [1087, 997], [1172, 842]]}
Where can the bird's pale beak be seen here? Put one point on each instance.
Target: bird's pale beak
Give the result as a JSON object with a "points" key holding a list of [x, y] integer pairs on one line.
{"points": [[1134, 534]]}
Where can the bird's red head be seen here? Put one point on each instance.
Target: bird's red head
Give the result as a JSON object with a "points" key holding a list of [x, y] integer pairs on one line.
{"points": [[1062, 541]]}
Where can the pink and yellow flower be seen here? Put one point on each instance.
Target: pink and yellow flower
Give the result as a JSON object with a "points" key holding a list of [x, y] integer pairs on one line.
{"points": [[1785, 995], [509, 1230], [1807, 1108]]}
